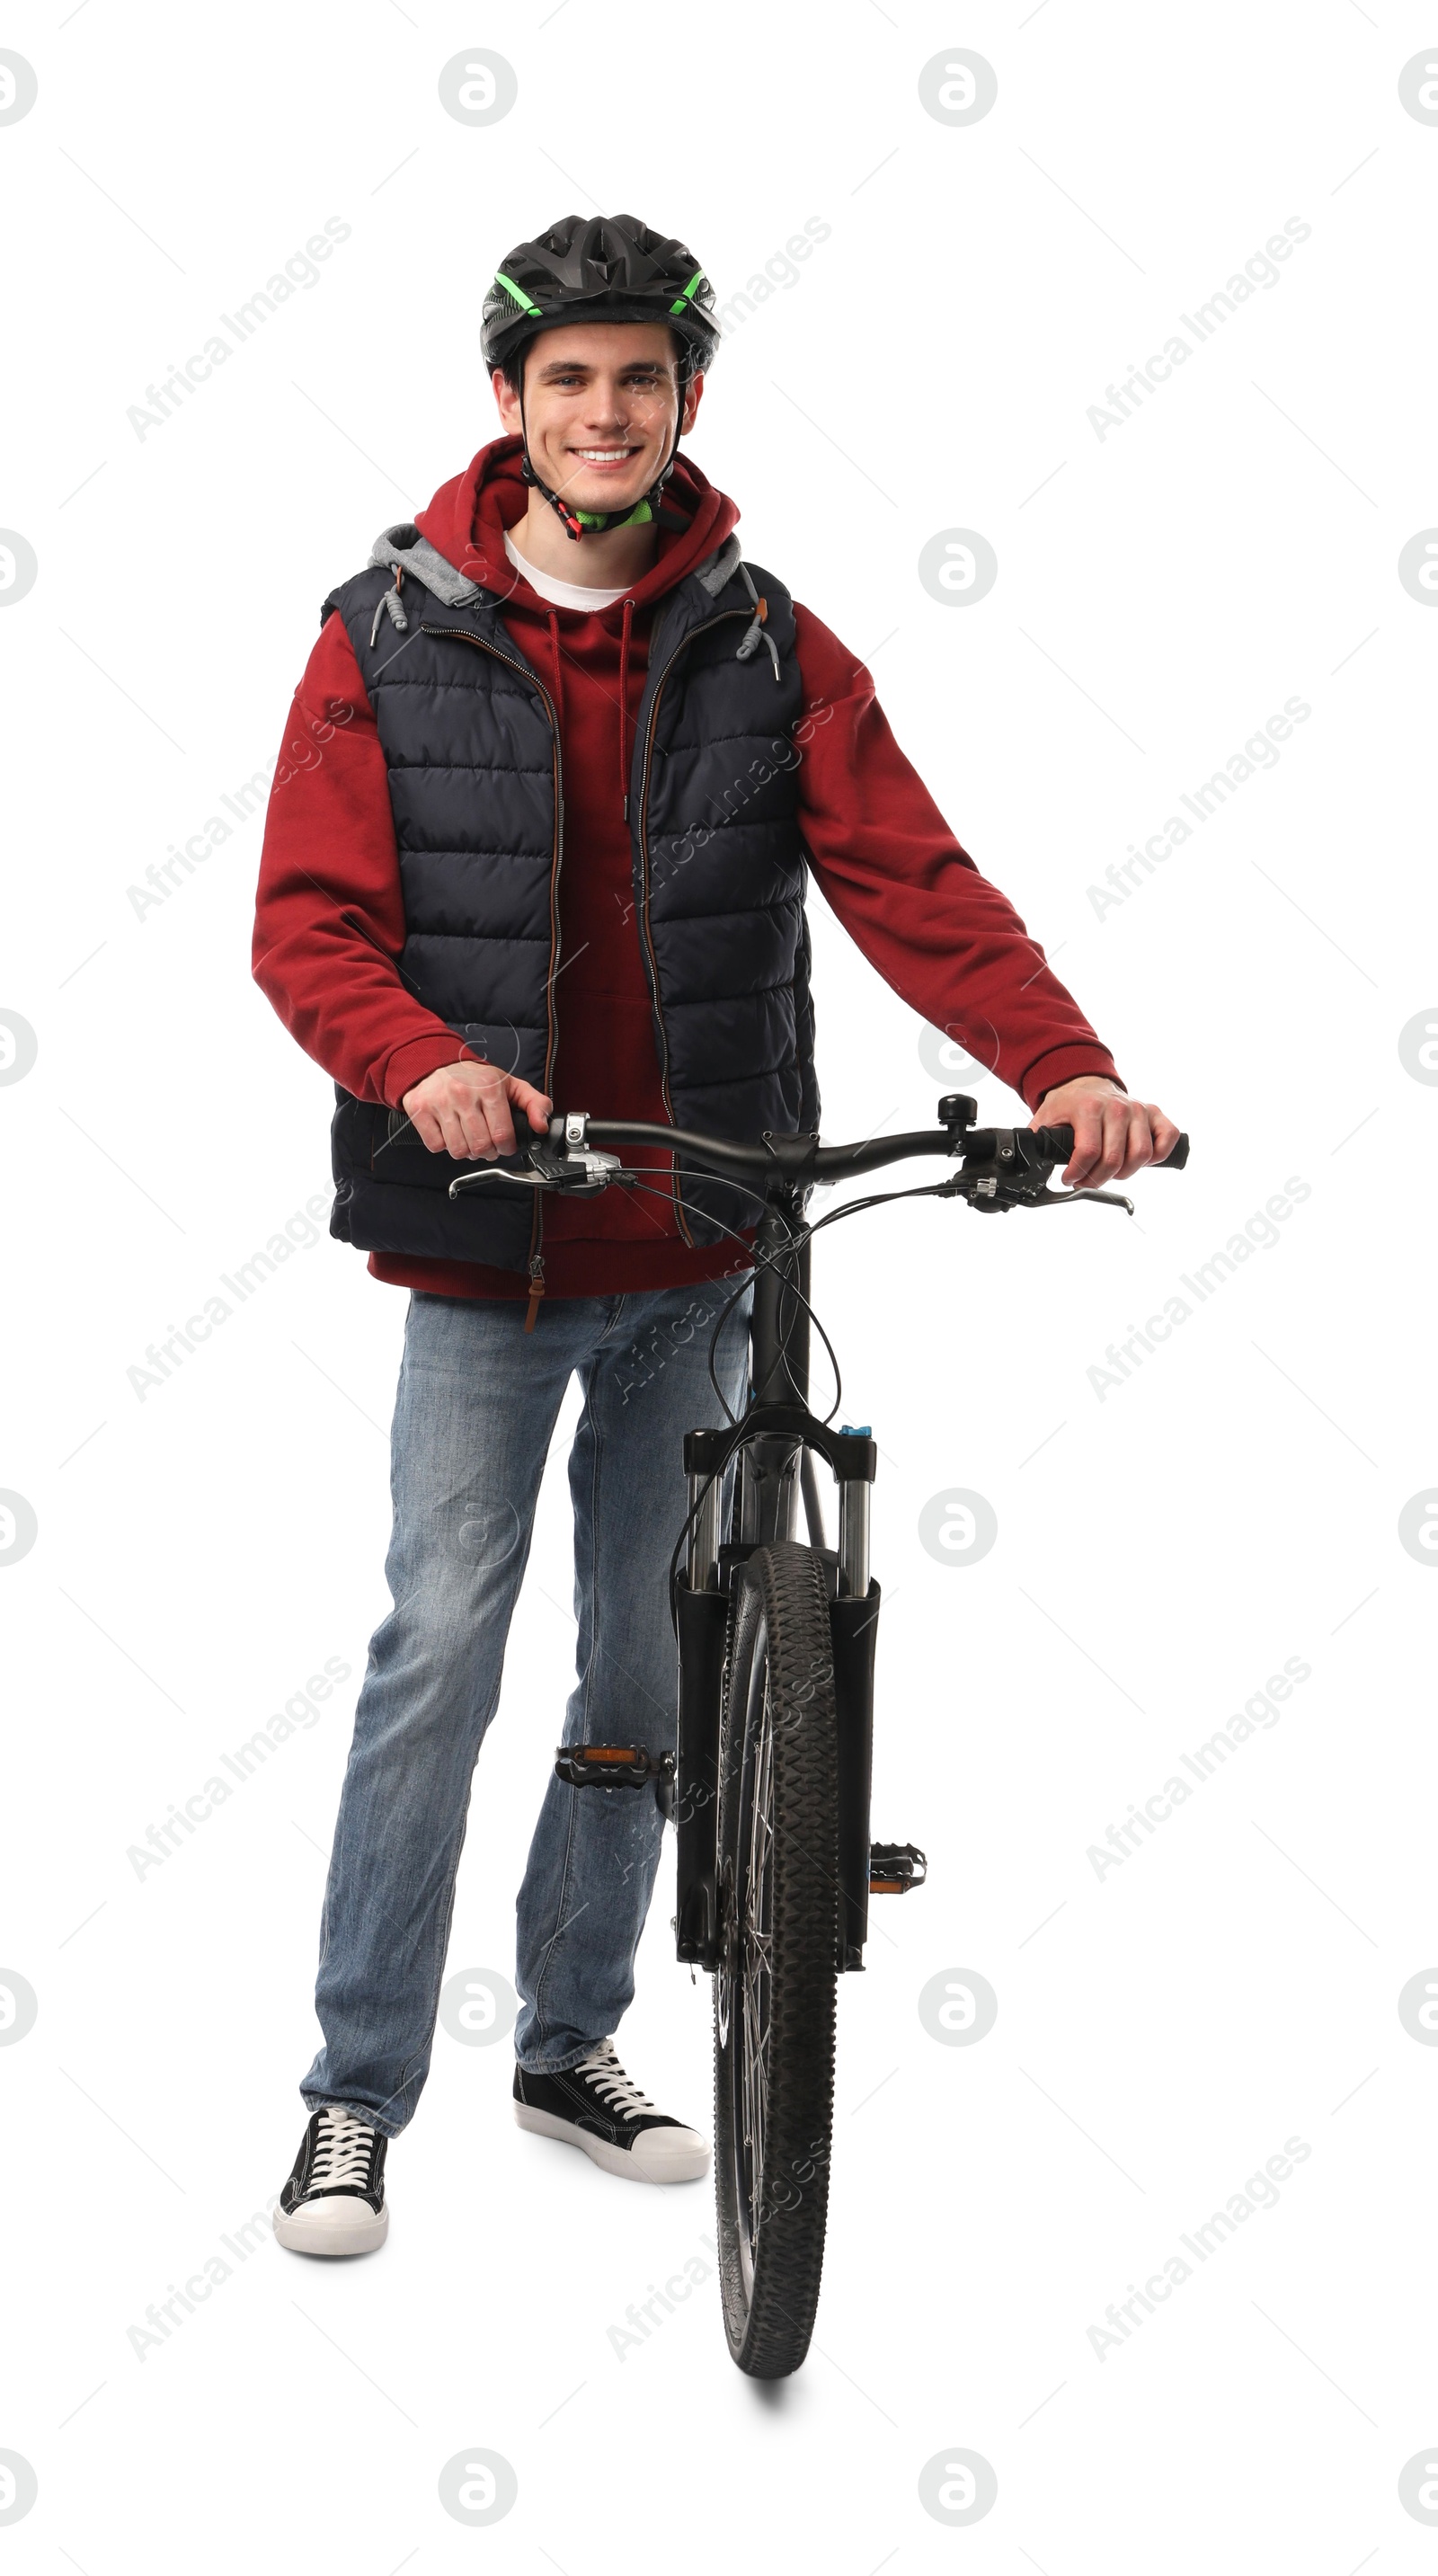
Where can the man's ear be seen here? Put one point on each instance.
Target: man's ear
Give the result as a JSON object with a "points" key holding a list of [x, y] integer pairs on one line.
{"points": [[505, 397], [693, 392]]}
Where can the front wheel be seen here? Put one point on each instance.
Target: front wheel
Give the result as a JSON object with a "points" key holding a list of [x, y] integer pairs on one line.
{"points": [[775, 1985]]}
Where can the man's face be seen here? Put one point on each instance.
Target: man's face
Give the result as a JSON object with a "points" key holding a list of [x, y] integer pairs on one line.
{"points": [[600, 400]]}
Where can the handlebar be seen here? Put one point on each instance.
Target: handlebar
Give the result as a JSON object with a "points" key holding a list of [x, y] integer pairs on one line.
{"points": [[999, 1167], [804, 1158], [800, 1158]]}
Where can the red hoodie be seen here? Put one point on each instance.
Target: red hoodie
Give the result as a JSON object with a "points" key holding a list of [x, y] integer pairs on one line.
{"points": [[329, 921]]}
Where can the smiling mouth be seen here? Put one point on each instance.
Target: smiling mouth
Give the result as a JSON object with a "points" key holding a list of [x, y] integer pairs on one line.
{"points": [[604, 456]]}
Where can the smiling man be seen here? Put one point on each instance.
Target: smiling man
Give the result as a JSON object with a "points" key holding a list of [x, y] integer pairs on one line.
{"points": [[557, 774]]}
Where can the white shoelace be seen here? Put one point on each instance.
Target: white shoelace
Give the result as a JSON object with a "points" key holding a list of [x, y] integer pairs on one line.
{"points": [[342, 2152], [602, 2069]]}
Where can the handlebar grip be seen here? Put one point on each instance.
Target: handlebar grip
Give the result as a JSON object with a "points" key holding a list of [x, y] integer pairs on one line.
{"points": [[1055, 1145]]}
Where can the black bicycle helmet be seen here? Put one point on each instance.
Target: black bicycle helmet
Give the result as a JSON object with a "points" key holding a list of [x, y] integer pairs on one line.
{"points": [[604, 268]]}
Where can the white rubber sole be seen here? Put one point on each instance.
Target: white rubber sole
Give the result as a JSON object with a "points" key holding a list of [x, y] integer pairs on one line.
{"points": [[663, 2162], [306, 2231]]}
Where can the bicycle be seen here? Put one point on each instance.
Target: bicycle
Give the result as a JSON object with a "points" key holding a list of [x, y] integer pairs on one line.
{"points": [[769, 1790]]}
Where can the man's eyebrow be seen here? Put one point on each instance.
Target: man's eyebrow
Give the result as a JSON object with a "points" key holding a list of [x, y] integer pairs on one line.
{"points": [[581, 367]]}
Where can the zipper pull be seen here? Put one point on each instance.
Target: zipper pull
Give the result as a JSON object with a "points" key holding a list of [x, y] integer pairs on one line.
{"points": [[536, 1291]]}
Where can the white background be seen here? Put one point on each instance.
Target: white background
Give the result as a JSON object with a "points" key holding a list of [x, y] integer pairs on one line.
{"points": [[1161, 592]]}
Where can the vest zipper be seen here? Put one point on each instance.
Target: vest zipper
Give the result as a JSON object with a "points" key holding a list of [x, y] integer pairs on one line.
{"points": [[645, 940], [532, 680]]}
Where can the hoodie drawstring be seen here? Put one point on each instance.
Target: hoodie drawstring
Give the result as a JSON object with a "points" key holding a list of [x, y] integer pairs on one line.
{"points": [[624, 707], [757, 631], [389, 599], [557, 652]]}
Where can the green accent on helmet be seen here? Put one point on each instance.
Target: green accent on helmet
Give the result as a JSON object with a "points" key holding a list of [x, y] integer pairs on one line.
{"points": [[517, 292], [682, 299]]}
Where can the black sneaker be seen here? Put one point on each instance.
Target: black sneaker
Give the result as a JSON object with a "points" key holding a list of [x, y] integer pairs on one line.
{"points": [[333, 2202], [594, 2106]]}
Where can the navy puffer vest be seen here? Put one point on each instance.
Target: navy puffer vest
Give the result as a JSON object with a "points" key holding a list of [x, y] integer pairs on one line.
{"points": [[470, 738]]}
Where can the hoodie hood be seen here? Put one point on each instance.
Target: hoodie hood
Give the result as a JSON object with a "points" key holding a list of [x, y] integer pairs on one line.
{"points": [[466, 521], [456, 548]]}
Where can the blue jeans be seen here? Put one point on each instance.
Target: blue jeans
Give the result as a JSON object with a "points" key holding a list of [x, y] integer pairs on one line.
{"points": [[477, 1404]]}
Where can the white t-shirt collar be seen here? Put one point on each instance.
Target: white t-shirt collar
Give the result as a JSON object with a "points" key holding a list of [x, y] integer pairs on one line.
{"points": [[561, 594]]}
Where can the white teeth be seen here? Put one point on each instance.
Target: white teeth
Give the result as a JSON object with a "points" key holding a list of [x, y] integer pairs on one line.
{"points": [[604, 455]]}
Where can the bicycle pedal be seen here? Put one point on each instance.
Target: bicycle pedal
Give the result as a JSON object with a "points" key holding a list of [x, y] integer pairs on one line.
{"points": [[616, 1766], [896, 1868]]}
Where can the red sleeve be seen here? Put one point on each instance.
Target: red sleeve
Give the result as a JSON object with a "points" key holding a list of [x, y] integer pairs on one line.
{"points": [[947, 941], [329, 913]]}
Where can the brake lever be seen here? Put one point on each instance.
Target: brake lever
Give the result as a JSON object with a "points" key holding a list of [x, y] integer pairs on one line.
{"points": [[1096, 1198], [579, 1171], [993, 1194]]}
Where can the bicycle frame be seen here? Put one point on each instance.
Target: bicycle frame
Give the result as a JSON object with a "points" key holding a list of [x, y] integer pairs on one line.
{"points": [[768, 1450]]}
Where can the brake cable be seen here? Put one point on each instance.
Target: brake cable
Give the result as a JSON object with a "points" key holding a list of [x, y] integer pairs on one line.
{"points": [[762, 1261]]}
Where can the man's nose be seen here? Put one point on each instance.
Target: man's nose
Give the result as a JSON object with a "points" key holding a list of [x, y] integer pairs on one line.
{"points": [[607, 409], [616, 407]]}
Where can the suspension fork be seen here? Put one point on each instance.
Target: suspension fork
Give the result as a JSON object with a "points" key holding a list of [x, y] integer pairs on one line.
{"points": [[768, 1465], [770, 1470]]}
